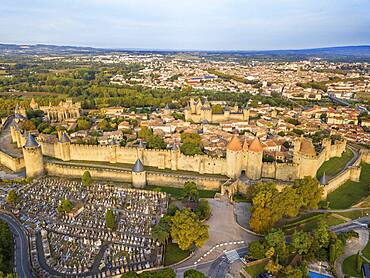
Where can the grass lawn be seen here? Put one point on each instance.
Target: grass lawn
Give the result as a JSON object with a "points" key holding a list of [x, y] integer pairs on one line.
{"points": [[310, 223], [334, 165], [255, 270], [351, 192], [178, 193], [366, 251], [355, 214], [349, 267], [174, 254]]}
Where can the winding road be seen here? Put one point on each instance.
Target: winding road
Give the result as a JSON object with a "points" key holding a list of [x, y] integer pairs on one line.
{"points": [[22, 259]]}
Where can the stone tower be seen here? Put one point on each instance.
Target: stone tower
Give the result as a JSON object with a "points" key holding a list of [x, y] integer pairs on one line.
{"points": [[175, 153], [33, 158], [138, 175], [254, 166], [65, 147], [234, 157]]}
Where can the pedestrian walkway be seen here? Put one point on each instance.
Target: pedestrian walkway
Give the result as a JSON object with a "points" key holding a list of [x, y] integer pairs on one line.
{"points": [[232, 256]]}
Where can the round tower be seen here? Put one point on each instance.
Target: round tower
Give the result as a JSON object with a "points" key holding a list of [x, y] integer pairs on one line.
{"points": [[234, 158], [138, 175], [255, 153], [33, 158], [65, 147]]}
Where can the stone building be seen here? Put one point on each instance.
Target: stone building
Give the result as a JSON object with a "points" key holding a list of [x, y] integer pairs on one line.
{"points": [[199, 111], [33, 158], [63, 111]]}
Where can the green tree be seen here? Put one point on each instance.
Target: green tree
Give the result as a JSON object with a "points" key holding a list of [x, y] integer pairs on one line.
{"points": [[145, 133], [164, 273], [301, 242], [27, 125], [203, 211], [191, 191], [130, 274], [12, 198], [217, 109], [156, 142], [161, 231], [336, 248], [192, 273], [359, 262], [65, 206], [110, 219], [257, 249], [310, 190], [191, 138], [276, 239], [86, 179], [83, 123], [190, 148], [321, 234], [187, 230]]}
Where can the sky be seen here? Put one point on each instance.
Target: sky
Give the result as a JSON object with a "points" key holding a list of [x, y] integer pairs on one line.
{"points": [[187, 24]]}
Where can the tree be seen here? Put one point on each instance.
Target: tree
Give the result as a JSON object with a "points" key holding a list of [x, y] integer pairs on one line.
{"points": [[310, 190], [273, 267], [190, 148], [290, 201], [27, 125], [191, 138], [164, 273], [156, 142], [83, 123], [359, 262], [336, 248], [276, 239], [12, 198], [187, 230], [86, 179], [192, 273], [110, 220], [217, 109], [301, 242], [203, 211], [257, 249], [191, 191], [161, 231], [65, 206], [321, 234], [130, 274], [145, 133]]}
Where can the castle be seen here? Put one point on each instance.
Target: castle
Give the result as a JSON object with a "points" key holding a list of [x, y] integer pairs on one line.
{"points": [[62, 111], [241, 159], [199, 111]]}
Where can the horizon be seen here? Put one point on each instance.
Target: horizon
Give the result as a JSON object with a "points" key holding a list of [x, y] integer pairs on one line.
{"points": [[186, 50], [220, 25]]}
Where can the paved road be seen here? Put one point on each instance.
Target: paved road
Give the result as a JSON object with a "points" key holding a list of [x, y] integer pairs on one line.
{"points": [[213, 269], [352, 247], [22, 262]]}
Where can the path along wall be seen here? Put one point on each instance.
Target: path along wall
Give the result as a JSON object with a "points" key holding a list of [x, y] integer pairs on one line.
{"points": [[153, 178]]}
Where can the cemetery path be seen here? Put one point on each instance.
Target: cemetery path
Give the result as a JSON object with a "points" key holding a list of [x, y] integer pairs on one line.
{"points": [[222, 229]]}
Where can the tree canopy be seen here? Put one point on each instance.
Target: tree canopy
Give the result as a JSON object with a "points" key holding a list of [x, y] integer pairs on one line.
{"points": [[187, 230]]}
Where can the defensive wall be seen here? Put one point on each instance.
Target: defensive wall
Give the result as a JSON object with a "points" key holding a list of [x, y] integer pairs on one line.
{"points": [[15, 164], [171, 179]]}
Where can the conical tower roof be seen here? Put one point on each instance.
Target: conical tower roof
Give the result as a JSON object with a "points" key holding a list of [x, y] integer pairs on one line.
{"points": [[31, 142], [138, 167], [256, 145], [307, 147], [65, 138], [323, 179], [234, 144]]}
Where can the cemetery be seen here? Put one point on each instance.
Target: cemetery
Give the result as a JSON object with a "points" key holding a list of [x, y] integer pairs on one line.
{"points": [[87, 230]]}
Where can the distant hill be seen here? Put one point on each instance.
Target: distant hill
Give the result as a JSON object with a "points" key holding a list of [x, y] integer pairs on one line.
{"points": [[335, 53]]}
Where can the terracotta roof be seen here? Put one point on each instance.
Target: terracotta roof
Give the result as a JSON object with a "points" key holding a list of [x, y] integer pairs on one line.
{"points": [[234, 144], [256, 145], [307, 147]]}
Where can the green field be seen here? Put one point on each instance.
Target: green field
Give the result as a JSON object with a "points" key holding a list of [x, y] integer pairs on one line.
{"points": [[349, 267], [334, 165], [178, 193], [355, 214], [255, 270], [351, 192], [309, 223], [366, 251], [173, 254]]}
